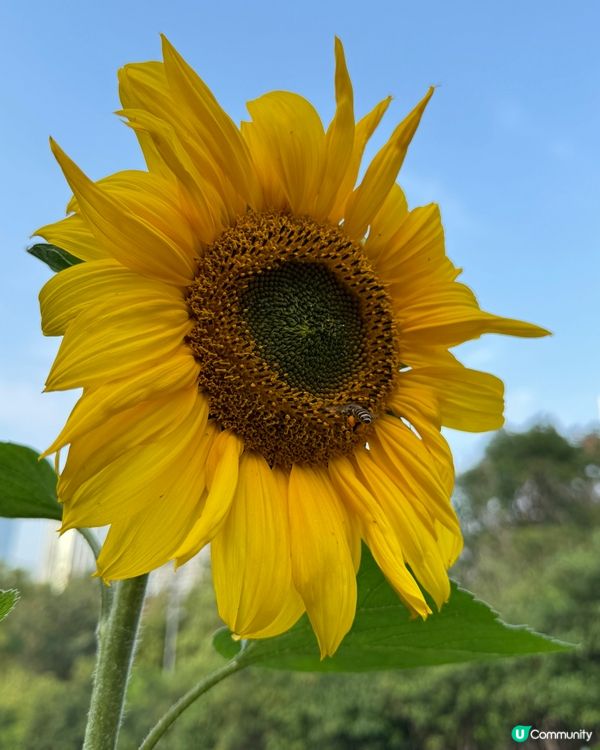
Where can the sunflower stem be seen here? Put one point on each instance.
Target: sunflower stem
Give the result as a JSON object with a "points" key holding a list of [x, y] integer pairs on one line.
{"points": [[116, 646], [161, 726]]}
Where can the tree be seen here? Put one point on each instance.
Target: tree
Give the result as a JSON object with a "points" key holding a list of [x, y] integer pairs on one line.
{"points": [[532, 477]]}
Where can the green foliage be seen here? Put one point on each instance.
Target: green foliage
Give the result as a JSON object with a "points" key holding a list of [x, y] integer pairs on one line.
{"points": [[49, 630], [8, 599], [46, 651], [54, 257], [532, 477], [27, 485], [41, 711], [384, 636]]}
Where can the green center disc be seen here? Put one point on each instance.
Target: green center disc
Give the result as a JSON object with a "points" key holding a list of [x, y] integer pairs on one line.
{"points": [[306, 324]]}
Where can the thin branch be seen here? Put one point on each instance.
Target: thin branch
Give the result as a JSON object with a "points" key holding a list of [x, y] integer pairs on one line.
{"points": [[93, 543], [185, 701]]}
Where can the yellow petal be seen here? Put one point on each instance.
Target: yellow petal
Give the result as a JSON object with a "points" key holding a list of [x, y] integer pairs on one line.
{"points": [[251, 559], [144, 86], [322, 564], [425, 355], [168, 139], [419, 405], [411, 468], [221, 482], [450, 544], [437, 447], [193, 166], [69, 292], [339, 140], [115, 338], [210, 122], [172, 147], [416, 537], [386, 222], [135, 82], [207, 202], [74, 235], [380, 536], [381, 174], [363, 131], [147, 540], [155, 201], [447, 314], [138, 425], [179, 371], [414, 255], [273, 194], [150, 449], [291, 610], [128, 237], [468, 400], [293, 606], [287, 142]]}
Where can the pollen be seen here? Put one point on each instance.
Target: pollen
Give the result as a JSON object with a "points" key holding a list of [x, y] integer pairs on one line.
{"points": [[294, 335]]}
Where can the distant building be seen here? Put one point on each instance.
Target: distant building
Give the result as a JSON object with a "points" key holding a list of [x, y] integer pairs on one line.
{"points": [[177, 584], [69, 555], [8, 535], [181, 580], [64, 557]]}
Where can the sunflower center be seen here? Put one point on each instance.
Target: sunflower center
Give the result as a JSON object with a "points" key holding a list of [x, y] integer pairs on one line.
{"points": [[294, 336], [306, 323]]}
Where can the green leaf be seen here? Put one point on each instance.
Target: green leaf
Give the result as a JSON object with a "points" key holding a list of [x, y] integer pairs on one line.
{"points": [[384, 637], [54, 257], [27, 485], [8, 599], [224, 643]]}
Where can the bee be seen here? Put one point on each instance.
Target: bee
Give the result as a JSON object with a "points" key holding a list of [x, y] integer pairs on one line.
{"points": [[356, 414]]}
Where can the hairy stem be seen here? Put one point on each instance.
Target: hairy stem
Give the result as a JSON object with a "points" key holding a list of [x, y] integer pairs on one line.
{"points": [[185, 701], [113, 664]]}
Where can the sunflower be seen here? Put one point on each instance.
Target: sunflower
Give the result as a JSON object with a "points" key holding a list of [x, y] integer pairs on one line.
{"points": [[263, 348]]}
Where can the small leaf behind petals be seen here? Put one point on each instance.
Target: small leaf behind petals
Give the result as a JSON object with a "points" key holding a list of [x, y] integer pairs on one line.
{"points": [[55, 258]]}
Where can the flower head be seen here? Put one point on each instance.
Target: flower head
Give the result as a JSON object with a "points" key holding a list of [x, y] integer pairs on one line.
{"points": [[263, 351]]}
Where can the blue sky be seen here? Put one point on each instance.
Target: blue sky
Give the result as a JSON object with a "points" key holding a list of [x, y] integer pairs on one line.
{"points": [[509, 148]]}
